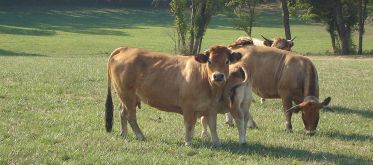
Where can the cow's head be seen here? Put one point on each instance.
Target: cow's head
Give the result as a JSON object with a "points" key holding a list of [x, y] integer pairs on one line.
{"points": [[279, 43], [310, 109], [218, 59]]}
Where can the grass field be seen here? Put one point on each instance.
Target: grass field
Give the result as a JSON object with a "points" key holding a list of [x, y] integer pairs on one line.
{"points": [[53, 87]]}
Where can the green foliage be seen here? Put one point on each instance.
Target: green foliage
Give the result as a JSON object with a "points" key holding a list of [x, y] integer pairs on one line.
{"points": [[244, 14], [178, 9]]}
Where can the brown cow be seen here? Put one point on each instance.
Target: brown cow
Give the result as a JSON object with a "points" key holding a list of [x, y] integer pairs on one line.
{"points": [[191, 86], [282, 74]]}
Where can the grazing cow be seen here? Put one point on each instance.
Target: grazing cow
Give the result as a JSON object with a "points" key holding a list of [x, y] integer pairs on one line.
{"points": [[279, 43], [282, 74], [191, 86]]}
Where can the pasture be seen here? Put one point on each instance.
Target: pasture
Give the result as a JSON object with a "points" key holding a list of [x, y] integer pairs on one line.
{"points": [[53, 89]]}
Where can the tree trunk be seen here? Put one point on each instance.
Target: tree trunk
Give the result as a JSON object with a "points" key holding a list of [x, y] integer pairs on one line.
{"points": [[331, 31], [200, 25], [285, 12], [341, 28], [192, 26], [252, 15], [362, 6]]}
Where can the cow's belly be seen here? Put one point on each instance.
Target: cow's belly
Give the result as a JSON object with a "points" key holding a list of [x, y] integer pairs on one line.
{"points": [[160, 102], [265, 92]]}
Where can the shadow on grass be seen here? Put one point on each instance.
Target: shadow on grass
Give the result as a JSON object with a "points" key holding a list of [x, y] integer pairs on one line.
{"points": [[346, 110], [284, 152], [97, 21], [104, 21], [347, 137], [11, 53], [22, 31]]}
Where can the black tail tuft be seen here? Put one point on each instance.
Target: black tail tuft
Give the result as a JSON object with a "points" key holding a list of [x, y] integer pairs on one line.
{"points": [[109, 113]]}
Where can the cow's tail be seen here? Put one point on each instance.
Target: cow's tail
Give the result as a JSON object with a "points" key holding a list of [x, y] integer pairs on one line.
{"points": [[109, 107], [311, 86], [109, 101]]}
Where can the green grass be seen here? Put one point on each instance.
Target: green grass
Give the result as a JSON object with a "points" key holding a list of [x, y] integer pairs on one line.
{"points": [[53, 88]]}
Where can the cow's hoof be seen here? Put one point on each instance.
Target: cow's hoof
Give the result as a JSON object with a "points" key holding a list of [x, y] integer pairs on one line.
{"points": [[141, 137], [205, 135], [217, 144], [311, 133], [124, 135], [289, 130], [243, 144], [253, 126], [230, 124], [188, 144]]}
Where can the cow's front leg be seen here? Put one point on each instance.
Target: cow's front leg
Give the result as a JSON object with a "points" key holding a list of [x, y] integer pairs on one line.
{"points": [[287, 104], [204, 122], [212, 125], [189, 122]]}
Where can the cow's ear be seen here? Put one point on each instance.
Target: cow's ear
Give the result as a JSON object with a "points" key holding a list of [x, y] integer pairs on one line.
{"points": [[268, 43], [291, 44], [201, 58], [235, 56], [326, 101]]}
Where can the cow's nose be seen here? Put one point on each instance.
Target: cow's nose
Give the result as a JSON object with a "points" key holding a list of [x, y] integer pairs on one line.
{"points": [[218, 77]]}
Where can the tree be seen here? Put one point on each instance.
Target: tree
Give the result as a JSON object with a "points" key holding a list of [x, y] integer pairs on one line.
{"points": [[338, 15], [177, 9], [244, 14], [200, 16], [362, 15], [285, 18]]}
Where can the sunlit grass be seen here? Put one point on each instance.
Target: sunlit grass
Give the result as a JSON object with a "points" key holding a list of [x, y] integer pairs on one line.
{"points": [[53, 86]]}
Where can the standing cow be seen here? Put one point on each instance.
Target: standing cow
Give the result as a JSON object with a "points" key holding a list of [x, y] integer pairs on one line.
{"points": [[189, 85], [237, 100], [282, 74]]}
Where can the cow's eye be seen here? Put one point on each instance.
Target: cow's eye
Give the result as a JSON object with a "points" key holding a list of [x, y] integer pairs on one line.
{"points": [[209, 62], [227, 62]]}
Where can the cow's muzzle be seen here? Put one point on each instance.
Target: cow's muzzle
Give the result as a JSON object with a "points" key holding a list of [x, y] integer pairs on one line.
{"points": [[218, 77]]}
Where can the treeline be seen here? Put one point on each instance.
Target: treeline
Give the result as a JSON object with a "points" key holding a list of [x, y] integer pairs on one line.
{"points": [[135, 3]]}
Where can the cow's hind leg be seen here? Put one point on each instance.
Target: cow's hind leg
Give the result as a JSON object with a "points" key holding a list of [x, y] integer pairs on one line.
{"points": [[249, 120], [287, 104], [130, 103], [123, 120]]}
